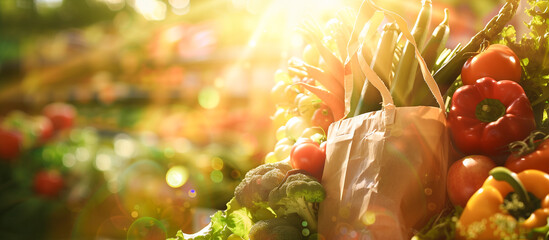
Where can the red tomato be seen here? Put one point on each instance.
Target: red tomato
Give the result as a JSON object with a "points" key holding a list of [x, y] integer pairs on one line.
{"points": [[309, 157], [497, 61], [538, 159], [48, 183], [466, 176], [61, 115], [323, 117], [305, 140], [10, 144]]}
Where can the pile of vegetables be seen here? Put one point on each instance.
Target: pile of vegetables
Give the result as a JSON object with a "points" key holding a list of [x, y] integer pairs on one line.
{"points": [[273, 201], [497, 114], [497, 97]]}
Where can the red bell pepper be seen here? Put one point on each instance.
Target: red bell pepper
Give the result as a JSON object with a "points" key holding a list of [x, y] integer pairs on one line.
{"points": [[487, 116]]}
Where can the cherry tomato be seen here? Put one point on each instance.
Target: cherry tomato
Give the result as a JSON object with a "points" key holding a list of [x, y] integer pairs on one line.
{"points": [[61, 115], [10, 144], [48, 183], [309, 157], [322, 117], [497, 61], [466, 176], [300, 141]]}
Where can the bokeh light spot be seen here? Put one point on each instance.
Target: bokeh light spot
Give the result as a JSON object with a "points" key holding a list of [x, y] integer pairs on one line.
{"points": [[208, 98], [177, 176], [82, 154], [124, 146], [103, 162], [305, 232], [369, 218], [179, 3], [153, 10], [217, 163], [216, 176], [192, 193], [69, 160], [135, 214]]}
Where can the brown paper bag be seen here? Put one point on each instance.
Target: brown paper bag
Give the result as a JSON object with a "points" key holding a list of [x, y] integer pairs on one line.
{"points": [[385, 171]]}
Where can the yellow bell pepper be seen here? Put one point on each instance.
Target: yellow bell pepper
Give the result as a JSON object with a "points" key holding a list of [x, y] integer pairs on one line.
{"points": [[507, 206]]}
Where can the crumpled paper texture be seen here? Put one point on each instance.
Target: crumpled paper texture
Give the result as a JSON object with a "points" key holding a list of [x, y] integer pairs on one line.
{"points": [[385, 173]]}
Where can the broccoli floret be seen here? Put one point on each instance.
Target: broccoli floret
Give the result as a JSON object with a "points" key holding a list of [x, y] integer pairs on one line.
{"points": [[299, 193], [253, 191], [282, 228]]}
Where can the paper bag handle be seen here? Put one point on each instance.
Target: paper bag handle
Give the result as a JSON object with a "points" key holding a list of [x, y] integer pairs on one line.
{"points": [[371, 75]]}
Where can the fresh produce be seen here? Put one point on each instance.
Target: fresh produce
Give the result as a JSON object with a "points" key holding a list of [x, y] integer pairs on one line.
{"points": [[48, 183], [308, 104], [295, 127], [272, 198], [530, 154], [332, 92], [402, 84], [234, 220], [370, 98], [451, 64], [322, 117], [277, 228], [497, 61], [298, 193], [507, 206], [309, 157], [256, 186], [466, 176], [485, 117], [436, 44], [532, 48], [432, 50]]}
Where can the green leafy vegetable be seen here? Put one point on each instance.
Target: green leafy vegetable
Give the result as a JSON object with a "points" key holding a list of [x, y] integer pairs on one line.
{"points": [[234, 220], [533, 50]]}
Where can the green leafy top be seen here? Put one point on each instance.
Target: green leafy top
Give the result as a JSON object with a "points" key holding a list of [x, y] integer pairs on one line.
{"points": [[533, 50], [234, 220]]}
